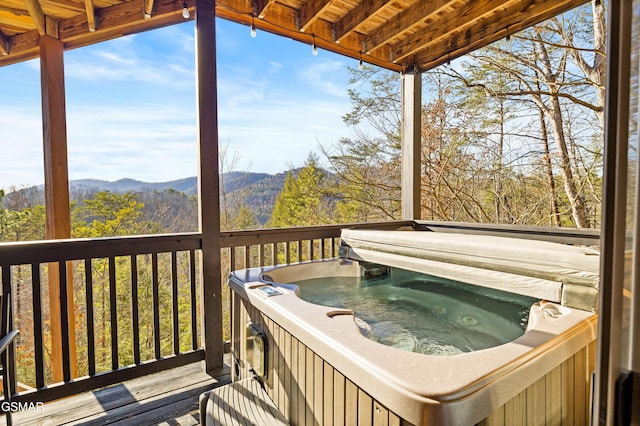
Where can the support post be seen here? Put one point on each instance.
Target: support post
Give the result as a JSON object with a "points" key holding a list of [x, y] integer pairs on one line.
{"points": [[617, 384], [209, 183], [411, 140], [56, 191]]}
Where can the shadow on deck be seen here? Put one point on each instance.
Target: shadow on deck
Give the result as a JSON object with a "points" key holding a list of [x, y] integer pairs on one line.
{"points": [[166, 398]]}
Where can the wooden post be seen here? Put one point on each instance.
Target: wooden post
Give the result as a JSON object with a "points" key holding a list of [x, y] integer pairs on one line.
{"points": [[56, 189], [614, 234], [411, 140], [209, 183]]}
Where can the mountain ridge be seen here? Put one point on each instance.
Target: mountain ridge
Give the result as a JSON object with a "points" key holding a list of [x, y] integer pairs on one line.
{"points": [[258, 191]]}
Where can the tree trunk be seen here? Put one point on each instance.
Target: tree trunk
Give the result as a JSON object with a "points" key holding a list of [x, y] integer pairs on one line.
{"points": [[554, 112], [555, 213], [578, 210]]}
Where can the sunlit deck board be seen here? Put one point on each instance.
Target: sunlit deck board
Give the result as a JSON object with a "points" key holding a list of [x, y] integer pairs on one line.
{"points": [[170, 397]]}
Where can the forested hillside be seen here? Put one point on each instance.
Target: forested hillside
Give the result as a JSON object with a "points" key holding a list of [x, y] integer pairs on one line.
{"points": [[171, 206]]}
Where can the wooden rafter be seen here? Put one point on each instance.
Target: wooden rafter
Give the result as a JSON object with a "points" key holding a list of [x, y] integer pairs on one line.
{"points": [[395, 34], [403, 22], [481, 34], [261, 7], [13, 20], [4, 45], [148, 8], [357, 16], [322, 29], [91, 14], [35, 10], [310, 11], [454, 21]]}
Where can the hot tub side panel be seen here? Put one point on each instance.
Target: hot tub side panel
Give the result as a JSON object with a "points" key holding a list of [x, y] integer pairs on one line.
{"points": [[304, 387], [310, 391], [561, 397]]}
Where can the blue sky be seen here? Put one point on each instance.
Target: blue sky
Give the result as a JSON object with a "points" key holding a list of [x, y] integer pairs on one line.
{"points": [[131, 106]]}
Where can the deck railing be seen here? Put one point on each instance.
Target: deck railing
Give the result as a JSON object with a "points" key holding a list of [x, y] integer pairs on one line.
{"points": [[133, 303], [111, 292]]}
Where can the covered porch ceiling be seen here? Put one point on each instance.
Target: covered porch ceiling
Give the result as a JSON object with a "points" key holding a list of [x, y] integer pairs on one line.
{"points": [[394, 34]]}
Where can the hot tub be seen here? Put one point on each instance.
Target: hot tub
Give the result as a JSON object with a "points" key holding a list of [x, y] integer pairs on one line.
{"points": [[322, 368]]}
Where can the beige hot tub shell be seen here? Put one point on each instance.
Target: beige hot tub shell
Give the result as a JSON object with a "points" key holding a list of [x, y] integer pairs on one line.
{"points": [[418, 389]]}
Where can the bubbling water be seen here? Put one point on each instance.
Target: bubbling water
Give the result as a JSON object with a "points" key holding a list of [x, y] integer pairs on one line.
{"points": [[424, 314]]}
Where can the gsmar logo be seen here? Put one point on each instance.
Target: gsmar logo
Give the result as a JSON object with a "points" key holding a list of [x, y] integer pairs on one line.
{"points": [[13, 406]]}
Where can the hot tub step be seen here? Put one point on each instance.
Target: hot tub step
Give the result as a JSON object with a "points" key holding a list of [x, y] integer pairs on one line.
{"points": [[242, 403]]}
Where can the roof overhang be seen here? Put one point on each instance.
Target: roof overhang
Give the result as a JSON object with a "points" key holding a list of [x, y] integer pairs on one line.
{"points": [[393, 34]]}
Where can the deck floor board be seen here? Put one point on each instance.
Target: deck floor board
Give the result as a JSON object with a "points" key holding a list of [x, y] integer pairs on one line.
{"points": [[167, 398]]}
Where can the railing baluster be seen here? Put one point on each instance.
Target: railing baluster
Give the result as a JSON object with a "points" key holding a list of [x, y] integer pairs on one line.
{"points": [[333, 247], [232, 258], [10, 355], [247, 257], [6, 279], [64, 321], [156, 304], [310, 243], [261, 255], [274, 254], [174, 297], [135, 308], [91, 344], [299, 251], [287, 252], [113, 308], [62, 258], [322, 248], [194, 316], [36, 300]]}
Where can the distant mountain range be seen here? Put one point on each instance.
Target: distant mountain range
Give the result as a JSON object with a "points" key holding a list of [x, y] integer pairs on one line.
{"points": [[257, 190], [186, 185]]}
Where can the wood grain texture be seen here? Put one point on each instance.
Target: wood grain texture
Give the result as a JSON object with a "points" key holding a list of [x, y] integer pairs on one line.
{"points": [[396, 35]]}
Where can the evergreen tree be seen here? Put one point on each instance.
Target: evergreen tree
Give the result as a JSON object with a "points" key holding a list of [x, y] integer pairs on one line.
{"points": [[110, 214], [303, 199]]}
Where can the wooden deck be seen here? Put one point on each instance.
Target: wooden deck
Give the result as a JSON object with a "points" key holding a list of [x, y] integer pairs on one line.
{"points": [[167, 398]]}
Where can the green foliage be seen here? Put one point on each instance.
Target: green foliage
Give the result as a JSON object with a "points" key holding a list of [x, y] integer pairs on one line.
{"points": [[22, 225], [303, 199], [110, 214]]}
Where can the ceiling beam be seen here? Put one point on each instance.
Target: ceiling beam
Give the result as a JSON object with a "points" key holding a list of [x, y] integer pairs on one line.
{"points": [[121, 19], [23, 47], [402, 22], [148, 8], [261, 7], [35, 11], [283, 20], [91, 14], [11, 20], [4, 45], [452, 22], [357, 16], [310, 11], [480, 34], [51, 25]]}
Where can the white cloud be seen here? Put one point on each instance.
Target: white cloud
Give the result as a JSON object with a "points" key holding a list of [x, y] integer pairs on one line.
{"points": [[21, 147], [274, 134], [131, 108], [274, 67], [323, 76]]}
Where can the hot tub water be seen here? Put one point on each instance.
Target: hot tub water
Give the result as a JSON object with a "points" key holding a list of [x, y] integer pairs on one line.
{"points": [[422, 313]]}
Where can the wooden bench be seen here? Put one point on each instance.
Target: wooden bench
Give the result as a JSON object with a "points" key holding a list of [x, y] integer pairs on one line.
{"points": [[242, 403]]}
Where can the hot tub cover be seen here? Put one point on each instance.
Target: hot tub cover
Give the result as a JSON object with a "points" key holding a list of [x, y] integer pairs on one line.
{"points": [[542, 269]]}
